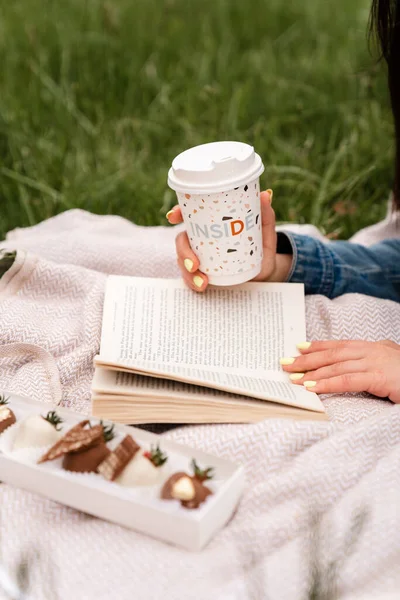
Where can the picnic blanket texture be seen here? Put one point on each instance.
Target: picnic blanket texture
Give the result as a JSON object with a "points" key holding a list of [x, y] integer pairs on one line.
{"points": [[321, 511]]}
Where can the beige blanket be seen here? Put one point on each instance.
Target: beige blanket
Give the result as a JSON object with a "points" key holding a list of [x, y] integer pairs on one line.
{"points": [[322, 503]]}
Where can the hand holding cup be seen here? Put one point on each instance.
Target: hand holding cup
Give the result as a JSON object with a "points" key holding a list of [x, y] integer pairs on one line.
{"points": [[274, 267], [218, 191]]}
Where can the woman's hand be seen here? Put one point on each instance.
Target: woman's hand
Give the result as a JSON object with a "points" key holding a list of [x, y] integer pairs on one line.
{"points": [[347, 366], [274, 268]]}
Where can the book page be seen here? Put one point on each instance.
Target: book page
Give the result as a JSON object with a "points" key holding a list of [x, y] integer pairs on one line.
{"points": [[228, 338], [247, 327], [126, 383], [106, 381]]}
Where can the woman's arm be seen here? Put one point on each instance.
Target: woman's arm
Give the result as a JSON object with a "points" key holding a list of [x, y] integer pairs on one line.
{"points": [[337, 268], [331, 269]]}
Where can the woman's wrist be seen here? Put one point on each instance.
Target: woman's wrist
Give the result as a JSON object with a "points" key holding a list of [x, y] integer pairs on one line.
{"points": [[283, 266]]}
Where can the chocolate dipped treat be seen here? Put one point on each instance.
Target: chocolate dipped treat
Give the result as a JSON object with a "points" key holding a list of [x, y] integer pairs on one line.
{"points": [[88, 459], [178, 487], [202, 474], [144, 469], [80, 437], [117, 460], [201, 493], [190, 490], [38, 431], [7, 416]]}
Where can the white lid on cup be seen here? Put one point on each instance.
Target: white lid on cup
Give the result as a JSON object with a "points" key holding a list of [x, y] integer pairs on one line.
{"points": [[214, 167]]}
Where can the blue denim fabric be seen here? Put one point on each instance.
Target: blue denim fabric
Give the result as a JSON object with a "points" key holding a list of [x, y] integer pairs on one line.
{"points": [[336, 268]]}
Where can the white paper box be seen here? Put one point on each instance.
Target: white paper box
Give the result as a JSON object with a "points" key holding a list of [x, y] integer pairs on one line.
{"points": [[135, 508]]}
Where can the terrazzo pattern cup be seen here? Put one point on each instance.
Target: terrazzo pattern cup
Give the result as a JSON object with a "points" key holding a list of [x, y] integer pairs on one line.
{"points": [[218, 191]]}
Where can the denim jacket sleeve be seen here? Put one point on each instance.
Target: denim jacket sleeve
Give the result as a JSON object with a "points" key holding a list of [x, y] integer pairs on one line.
{"points": [[336, 268]]}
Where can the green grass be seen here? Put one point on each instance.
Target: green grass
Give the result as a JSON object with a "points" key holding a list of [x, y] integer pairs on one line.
{"points": [[96, 98]]}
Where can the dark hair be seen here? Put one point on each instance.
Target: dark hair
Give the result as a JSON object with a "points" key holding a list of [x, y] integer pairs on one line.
{"points": [[385, 24]]}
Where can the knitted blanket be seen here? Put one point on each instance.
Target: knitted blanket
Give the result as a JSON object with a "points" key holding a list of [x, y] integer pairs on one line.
{"points": [[320, 515]]}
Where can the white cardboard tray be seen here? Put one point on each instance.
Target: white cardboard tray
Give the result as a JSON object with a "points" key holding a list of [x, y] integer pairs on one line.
{"points": [[135, 508]]}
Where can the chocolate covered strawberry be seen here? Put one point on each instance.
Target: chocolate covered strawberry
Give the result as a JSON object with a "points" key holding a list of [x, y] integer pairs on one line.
{"points": [[202, 474], [87, 460], [37, 431], [144, 469], [7, 416], [156, 456], [189, 489]]}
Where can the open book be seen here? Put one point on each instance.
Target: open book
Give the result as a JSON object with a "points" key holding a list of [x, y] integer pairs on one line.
{"points": [[169, 355]]}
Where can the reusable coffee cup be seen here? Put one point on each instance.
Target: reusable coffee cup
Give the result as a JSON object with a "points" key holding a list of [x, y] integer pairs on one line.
{"points": [[218, 191]]}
